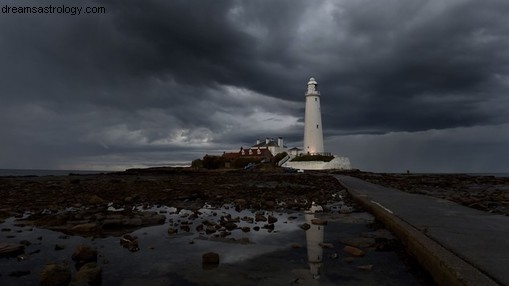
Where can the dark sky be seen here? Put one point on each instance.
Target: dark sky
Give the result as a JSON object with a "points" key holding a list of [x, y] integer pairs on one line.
{"points": [[405, 84]]}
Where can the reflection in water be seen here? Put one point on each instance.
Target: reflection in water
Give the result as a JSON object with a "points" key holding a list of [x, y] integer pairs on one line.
{"points": [[314, 239]]}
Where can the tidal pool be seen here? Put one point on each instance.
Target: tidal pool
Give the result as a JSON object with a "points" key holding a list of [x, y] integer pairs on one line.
{"points": [[283, 255]]}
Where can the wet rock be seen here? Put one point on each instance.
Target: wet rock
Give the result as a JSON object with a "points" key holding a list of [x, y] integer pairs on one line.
{"points": [[84, 254], [317, 221], [367, 267], [130, 242], [11, 249], [353, 251], [128, 199], [210, 229], [89, 274], [95, 200], [271, 219], [269, 204], [210, 258], [246, 229], [59, 247], [185, 227], [230, 226], [295, 245], [84, 228], [326, 245], [172, 230], [260, 217], [269, 226], [305, 226], [256, 228], [55, 275]]}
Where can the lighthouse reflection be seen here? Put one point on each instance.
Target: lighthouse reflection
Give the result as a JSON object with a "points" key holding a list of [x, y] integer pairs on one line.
{"points": [[314, 240]]}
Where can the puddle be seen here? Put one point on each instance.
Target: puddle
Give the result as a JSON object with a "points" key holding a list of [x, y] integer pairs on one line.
{"points": [[284, 255]]}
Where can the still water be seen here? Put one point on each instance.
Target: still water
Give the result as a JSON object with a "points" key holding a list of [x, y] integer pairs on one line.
{"points": [[286, 255]]}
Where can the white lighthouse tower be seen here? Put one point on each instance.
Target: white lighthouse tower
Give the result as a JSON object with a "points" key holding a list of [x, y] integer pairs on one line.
{"points": [[313, 135]]}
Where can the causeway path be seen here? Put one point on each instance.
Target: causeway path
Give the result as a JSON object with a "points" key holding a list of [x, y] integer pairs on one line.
{"points": [[456, 244]]}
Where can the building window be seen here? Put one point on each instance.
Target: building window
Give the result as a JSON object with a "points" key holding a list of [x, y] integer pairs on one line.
{"points": [[316, 99], [316, 125]]}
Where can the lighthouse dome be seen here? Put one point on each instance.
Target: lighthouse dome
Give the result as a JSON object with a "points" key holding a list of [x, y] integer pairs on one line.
{"points": [[312, 81]]}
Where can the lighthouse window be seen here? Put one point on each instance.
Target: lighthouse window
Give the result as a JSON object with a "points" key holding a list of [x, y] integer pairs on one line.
{"points": [[316, 125], [316, 99]]}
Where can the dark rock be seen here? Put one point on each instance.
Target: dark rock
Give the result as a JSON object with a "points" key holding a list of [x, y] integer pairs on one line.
{"points": [[130, 242], [55, 275], [95, 200], [89, 274], [317, 221], [305, 226], [210, 258], [260, 217], [11, 249], [84, 228], [246, 229], [59, 247], [326, 245], [230, 226], [84, 254], [256, 228], [172, 230], [19, 273], [353, 251], [271, 219]]}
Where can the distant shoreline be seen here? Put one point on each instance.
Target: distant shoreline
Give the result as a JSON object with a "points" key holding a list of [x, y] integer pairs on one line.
{"points": [[49, 172]]}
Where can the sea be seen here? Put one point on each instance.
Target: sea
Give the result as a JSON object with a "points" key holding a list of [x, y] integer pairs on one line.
{"points": [[35, 172]]}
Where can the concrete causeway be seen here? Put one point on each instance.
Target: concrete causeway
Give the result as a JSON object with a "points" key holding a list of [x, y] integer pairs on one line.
{"points": [[456, 244]]}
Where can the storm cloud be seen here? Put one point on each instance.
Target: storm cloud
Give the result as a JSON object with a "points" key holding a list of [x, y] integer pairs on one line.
{"points": [[156, 82]]}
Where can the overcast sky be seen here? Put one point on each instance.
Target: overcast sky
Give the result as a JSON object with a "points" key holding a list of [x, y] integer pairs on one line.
{"points": [[419, 85]]}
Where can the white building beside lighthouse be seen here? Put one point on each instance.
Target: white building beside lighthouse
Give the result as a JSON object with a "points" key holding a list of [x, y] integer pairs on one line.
{"points": [[313, 135]]}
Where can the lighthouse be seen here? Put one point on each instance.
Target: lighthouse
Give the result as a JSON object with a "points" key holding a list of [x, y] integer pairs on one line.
{"points": [[313, 135]]}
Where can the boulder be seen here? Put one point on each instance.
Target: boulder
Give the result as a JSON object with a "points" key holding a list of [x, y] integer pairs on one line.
{"points": [[271, 219], [55, 275]]}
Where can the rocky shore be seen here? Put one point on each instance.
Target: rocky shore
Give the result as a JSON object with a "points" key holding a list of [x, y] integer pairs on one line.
{"points": [[114, 203], [486, 193], [184, 216]]}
